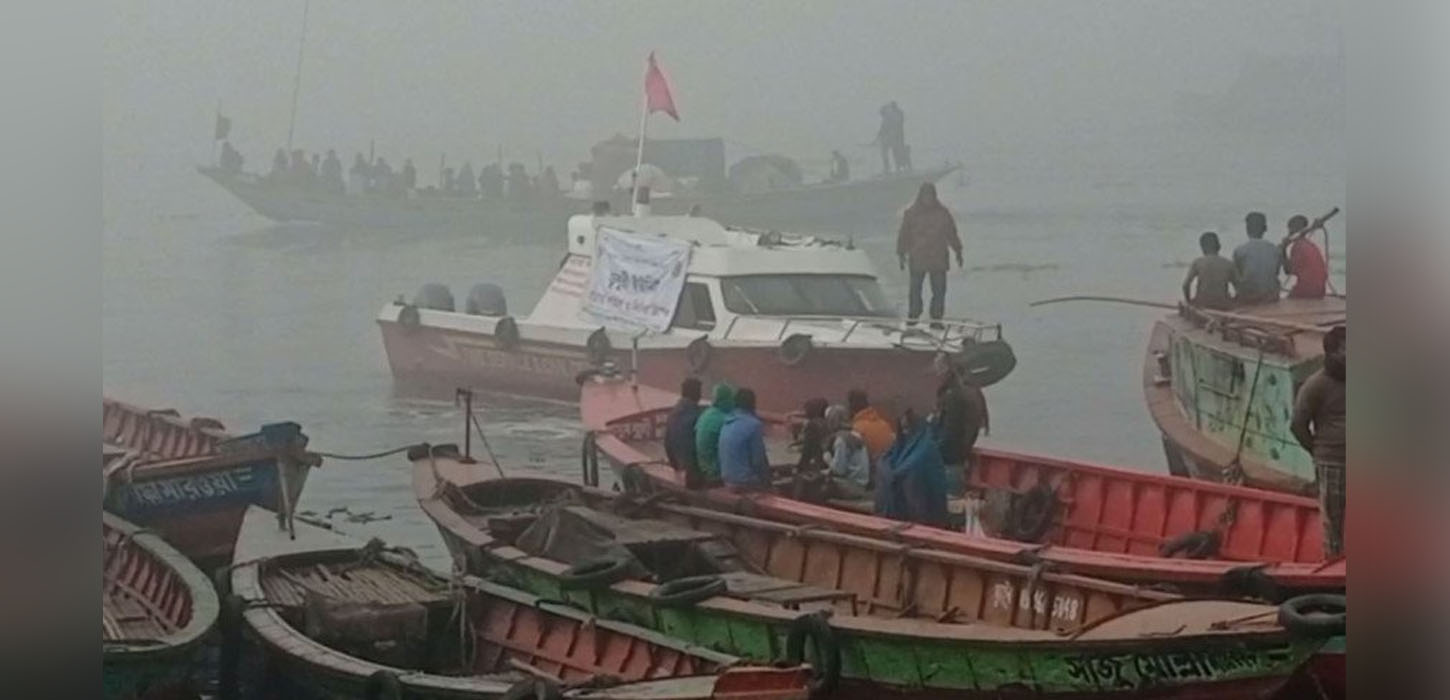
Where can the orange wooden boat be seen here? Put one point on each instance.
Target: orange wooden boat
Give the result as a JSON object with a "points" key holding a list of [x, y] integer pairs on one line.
{"points": [[343, 619], [1104, 521]]}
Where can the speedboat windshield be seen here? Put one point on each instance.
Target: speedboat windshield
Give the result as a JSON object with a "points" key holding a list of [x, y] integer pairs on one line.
{"points": [[805, 295]]}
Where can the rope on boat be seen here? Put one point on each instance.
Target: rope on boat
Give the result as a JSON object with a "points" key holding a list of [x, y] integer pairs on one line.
{"points": [[372, 455], [1234, 471]]}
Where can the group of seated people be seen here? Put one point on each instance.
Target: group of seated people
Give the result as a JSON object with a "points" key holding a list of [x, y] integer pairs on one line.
{"points": [[1251, 276], [851, 452]]}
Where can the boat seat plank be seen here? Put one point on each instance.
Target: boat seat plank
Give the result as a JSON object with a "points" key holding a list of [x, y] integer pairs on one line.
{"points": [[365, 584], [639, 531], [747, 586]]}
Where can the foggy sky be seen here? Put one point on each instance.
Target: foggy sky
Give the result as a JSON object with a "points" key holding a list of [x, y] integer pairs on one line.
{"points": [[551, 78]]}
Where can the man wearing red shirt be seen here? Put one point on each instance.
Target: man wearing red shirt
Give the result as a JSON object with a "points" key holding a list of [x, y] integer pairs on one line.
{"points": [[1303, 259]]}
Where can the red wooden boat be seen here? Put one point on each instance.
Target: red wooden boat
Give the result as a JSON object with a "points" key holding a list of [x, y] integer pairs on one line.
{"points": [[191, 481], [1105, 521]]}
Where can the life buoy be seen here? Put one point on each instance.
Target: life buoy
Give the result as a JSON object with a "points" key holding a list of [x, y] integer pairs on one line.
{"points": [[698, 353], [684, 592], [595, 573], [1316, 615], [383, 685], [506, 333], [826, 666], [533, 689], [987, 363], [794, 349], [408, 317], [599, 346]]}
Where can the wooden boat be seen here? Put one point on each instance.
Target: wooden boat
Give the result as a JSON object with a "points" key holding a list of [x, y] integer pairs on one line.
{"points": [[157, 609], [877, 612], [343, 619], [191, 481], [1102, 521], [1221, 389], [876, 200], [804, 315]]}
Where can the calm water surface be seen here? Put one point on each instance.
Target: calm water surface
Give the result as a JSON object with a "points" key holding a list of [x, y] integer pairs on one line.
{"points": [[214, 311]]}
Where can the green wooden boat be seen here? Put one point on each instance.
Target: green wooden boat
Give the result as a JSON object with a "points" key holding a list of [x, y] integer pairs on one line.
{"points": [[867, 613], [157, 609]]}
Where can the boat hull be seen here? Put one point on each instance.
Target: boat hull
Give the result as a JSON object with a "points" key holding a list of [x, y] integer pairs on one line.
{"points": [[192, 484], [143, 575], [433, 361], [1109, 523], [875, 201], [1221, 390], [908, 656], [278, 574]]}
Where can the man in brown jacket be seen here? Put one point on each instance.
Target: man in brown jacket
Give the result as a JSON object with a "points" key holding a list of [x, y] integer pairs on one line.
{"points": [[1318, 425], [927, 233]]}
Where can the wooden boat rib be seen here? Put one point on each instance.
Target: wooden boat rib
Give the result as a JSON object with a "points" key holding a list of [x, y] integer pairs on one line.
{"points": [[156, 611], [413, 636], [1110, 522], [899, 616], [191, 481]]}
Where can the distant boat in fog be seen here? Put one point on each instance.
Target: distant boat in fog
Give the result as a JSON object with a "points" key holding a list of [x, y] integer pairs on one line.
{"points": [[686, 175]]}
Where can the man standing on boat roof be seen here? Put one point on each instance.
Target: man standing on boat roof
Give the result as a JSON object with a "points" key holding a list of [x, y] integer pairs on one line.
{"points": [[1214, 273], [1304, 260], [928, 235], [409, 177], [332, 172], [1319, 426], [1257, 262]]}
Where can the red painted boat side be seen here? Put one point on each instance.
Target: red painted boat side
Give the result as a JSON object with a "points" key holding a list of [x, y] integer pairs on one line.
{"points": [[1170, 506], [432, 360]]}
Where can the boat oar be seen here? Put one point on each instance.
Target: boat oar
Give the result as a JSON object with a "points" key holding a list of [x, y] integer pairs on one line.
{"points": [[1112, 299], [1314, 225], [1225, 315]]}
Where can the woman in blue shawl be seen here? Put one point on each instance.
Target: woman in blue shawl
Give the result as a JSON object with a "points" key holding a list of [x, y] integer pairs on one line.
{"points": [[911, 478]]}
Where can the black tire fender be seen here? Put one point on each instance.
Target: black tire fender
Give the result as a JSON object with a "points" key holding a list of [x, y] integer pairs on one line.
{"points": [[1031, 514], [795, 349], [383, 685], [595, 573], [599, 346], [687, 591], [533, 689], [506, 333], [1314, 615], [826, 669], [408, 317], [987, 362], [698, 354]]}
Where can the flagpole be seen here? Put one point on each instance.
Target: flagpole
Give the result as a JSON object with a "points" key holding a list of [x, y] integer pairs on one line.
{"points": [[216, 157], [639, 150], [297, 78]]}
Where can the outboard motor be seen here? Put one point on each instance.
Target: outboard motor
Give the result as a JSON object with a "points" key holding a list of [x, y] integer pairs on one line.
{"points": [[486, 299], [434, 296]]}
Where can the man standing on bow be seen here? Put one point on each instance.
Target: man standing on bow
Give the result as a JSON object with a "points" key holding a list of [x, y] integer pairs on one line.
{"points": [[927, 237], [1319, 426]]}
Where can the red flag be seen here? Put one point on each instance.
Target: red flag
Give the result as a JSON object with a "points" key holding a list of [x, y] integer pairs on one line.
{"points": [[657, 91]]}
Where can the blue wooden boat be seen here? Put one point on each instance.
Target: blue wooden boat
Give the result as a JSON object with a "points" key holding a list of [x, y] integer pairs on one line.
{"points": [[191, 481]]}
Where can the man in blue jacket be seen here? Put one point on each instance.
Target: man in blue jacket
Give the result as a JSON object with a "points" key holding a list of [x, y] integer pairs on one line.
{"points": [[743, 464], [680, 434]]}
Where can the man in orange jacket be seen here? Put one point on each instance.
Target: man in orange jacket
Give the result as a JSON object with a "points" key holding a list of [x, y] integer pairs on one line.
{"points": [[874, 430]]}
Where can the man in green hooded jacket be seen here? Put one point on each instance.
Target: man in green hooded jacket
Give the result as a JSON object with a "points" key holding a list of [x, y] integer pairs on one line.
{"points": [[707, 433]]}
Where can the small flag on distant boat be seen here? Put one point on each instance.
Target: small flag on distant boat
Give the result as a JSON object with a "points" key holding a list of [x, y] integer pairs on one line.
{"points": [[223, 127], [657, 91]]}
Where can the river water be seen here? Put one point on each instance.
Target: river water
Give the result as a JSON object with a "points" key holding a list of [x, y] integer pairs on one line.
{"points": [[213, 310]]}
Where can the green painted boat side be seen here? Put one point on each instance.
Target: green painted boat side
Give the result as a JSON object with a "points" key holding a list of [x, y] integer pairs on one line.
{"points": [[917, 656]]}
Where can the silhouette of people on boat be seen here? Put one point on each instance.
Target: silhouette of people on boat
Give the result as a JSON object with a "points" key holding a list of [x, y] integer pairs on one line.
{"points": [[840, 169], [230, 160], [891, 139]]}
